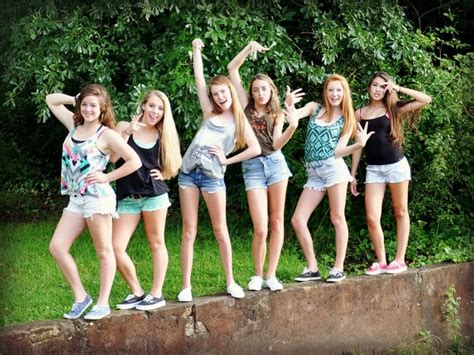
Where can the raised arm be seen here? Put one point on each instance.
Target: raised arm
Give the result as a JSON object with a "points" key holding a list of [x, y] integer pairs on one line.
{"points": [[280, 138], [56, 103], [204, 101], [233, 67], [421, 99], [342, 149]]}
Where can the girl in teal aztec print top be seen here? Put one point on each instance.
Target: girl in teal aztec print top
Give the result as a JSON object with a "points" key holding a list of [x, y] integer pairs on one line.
{"points": [[329, 129], [86, 152]]}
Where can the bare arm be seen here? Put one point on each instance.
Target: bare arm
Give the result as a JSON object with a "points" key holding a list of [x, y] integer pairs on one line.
{"points": [[306, 110], [204, 101], [253, 148], [342, 149], [233, 68], [56, 103], [421, 99], [279, 138]]}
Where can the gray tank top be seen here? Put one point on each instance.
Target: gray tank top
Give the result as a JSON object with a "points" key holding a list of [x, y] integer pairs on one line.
{"points": [[198, 156]]}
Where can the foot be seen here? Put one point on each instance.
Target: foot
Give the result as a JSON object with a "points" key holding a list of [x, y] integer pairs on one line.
{"points": [[336, 275], [185, 295], [255, 284], [396, 267], [376, 269], [308, 275], [130, 301], [78, 308], [273, 284], [151, 302], [235, 291], [97, 312]]}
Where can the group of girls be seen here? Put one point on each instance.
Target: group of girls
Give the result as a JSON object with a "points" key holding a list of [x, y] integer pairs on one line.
{"points": [[146, 152]]}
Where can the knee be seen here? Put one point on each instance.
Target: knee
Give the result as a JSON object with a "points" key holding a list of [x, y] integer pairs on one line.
{"points": [[105, 252], [338, 219], [56, 250], [400, 212], [297, 223], [260, 233], [221, 233], [189, 234], [276, 224], [156, 244], [373, 221]]}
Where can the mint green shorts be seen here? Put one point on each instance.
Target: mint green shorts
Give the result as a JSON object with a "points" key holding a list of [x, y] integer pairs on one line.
{"points": [[130, 205]]}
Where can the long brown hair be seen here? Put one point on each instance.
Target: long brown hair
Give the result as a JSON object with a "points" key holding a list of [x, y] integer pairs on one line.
{"points": [[236, 109], [393, 105], [170, 153], [107, 115], [347, 107], [273, 104]]}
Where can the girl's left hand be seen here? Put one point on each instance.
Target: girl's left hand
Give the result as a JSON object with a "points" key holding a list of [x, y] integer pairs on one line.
{"points": [[156, 174], [96, 177], [219, 153]]}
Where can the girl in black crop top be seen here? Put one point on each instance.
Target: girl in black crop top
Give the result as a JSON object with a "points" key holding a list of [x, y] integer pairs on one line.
{"points": [[386, 164], [153, 135]]}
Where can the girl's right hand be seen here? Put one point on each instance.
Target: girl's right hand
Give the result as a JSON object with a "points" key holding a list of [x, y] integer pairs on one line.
{"points": [[134, 124], [198, 44], [290, 114], [293, 97], [361, 135]]}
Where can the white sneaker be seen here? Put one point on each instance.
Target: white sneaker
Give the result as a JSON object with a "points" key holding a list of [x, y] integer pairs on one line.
{"points": [[235, 291], [273, 284], [185, 295], [255, 284]]}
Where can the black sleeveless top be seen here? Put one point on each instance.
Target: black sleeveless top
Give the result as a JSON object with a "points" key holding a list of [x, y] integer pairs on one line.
{"points": [[140, 182], [380, 148]]}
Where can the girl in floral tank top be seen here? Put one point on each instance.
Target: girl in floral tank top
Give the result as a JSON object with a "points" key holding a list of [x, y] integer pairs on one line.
{"points": [[86, 151]]}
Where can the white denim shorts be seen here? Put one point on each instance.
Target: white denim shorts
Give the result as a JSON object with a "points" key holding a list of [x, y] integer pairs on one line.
{"points": [[388, 173], [326, 173], [86, 205]]}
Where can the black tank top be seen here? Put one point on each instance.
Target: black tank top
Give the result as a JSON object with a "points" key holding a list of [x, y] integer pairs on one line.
{"points": [[140, 182], [380, 149]]}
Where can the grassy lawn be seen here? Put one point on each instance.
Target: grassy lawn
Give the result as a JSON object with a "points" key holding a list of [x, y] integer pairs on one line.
{"points": [[33, 287]]}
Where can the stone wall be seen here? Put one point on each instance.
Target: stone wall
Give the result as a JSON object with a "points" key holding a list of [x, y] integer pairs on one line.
{"points": [[361, 314]]}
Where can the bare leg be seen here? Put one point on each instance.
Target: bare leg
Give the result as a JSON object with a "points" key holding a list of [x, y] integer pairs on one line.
{"points": [[258, 206], [189, 199], [100, 228], [307, 203], [399, 193], [69, 228], [216, 205], [337, 204], [122, 231], [276, 196], [374, 194], [155, 231]]}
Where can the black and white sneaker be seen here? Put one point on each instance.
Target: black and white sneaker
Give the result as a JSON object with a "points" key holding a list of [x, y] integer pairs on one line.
{"points": [[131, 301], [150, 302], [308, 275], [336, 276]]}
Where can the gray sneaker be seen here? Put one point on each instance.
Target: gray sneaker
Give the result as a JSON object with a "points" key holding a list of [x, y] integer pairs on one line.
{"points": [[97, 312], [78, 308], [150, 302]]}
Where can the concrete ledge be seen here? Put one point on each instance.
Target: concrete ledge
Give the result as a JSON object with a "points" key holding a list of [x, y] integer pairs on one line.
{"points": [[362, 314]]}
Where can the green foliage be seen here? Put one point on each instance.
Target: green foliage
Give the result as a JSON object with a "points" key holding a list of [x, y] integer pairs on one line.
{"points": [[453, 321]]}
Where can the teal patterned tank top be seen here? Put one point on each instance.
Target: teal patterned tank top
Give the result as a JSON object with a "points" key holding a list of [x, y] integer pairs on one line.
{"points": [[79, 158], [321, 140]]}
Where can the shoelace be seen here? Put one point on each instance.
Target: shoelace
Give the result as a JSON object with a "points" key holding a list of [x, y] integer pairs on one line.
{"points": [[148, 298]]}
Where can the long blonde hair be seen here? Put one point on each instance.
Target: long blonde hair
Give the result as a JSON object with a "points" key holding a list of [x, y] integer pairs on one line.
{"points": [[236, 109], [273, 104], [169, 153], [107, 115], [350, 122], [393, 105]]}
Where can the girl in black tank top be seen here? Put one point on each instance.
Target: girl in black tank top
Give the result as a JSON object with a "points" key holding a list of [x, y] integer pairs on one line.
{"points": [[153, 136], [386, 164]]}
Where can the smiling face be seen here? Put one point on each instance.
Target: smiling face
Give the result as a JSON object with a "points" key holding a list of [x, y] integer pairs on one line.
{"points": [[335, 93], [261, 92], [377, 88], [221, 95], [90, 108], [153, 110]]}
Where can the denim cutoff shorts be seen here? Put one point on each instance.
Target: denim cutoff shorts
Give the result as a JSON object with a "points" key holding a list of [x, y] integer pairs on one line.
{"points": [[197, 178], [131, 205], [261, 172], [87, 206], [326, 173], [388, 173]]}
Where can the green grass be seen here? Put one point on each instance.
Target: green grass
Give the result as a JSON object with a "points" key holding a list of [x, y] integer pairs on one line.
{"points": [[34, 289]]}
